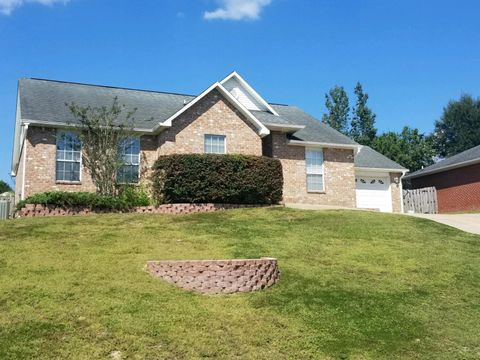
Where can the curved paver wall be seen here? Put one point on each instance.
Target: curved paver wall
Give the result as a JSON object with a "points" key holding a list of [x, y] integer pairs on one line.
{"points": [[218, 276]]}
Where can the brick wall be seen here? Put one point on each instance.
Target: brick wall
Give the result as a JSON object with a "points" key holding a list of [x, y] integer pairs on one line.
{"points": [[457, 190], [41, 160], [211, 115], [217, 276], [339, 173]]}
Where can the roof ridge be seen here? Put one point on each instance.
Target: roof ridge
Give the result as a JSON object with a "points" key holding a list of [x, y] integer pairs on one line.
{"points": [[108, 86]]}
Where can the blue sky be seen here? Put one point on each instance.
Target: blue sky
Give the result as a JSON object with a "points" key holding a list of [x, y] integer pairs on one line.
{"points": [[412, 56]]}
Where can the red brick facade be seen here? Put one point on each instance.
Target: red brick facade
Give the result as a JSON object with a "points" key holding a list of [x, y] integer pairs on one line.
{"points": [[457, 189], [211, 115]]}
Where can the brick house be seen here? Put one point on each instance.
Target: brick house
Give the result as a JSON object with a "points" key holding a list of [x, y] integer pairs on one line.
{"points": [[320, 165], [456, 179]]}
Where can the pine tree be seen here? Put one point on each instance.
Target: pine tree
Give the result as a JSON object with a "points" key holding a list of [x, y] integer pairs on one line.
{"points": [[363, 128], [336, 102]]}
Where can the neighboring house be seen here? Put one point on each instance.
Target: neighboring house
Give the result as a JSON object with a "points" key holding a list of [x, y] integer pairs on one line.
{"points": [[320, 165], [457, 180]]}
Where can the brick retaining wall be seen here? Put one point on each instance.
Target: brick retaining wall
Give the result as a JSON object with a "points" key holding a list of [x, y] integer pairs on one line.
{"points": [[217, 276], [31, 210]]}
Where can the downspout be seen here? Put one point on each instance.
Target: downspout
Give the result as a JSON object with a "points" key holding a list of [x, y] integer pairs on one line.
{"points": [[401, 191], [25, 127]]}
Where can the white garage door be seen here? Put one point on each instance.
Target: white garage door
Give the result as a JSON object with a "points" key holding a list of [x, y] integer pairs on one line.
{"points": [[373, 192]]}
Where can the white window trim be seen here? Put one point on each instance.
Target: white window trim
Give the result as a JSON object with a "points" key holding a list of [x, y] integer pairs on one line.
{"points": [[224, 143], [79, 181], [318, 172], [139, 163]]}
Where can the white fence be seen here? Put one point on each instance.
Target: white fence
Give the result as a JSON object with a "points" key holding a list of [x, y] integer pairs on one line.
{"points": [[7, 206], [420, 201]]}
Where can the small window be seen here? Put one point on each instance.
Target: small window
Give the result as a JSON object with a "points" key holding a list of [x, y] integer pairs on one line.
{"points": [[214, 144], [129, 152], [314, 166], [68, 157]]}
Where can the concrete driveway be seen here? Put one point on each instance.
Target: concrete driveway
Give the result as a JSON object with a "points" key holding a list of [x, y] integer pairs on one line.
{"points": [[466, 222]]}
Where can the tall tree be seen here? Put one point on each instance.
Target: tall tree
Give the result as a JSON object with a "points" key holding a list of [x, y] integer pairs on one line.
{"points": [[459, 127], [4, 187], [336, 102], [101, 131], [362, 128], [409, 148]]}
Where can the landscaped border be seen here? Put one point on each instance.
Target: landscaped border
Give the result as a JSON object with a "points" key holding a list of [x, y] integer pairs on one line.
{"points": [[35, 210], [218, 276]]}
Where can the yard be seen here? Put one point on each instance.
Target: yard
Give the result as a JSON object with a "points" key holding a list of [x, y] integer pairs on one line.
{"points": [[354, 285]]}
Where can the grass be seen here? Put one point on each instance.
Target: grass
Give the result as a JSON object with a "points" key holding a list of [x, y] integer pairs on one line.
{"points": [[354, 285]]}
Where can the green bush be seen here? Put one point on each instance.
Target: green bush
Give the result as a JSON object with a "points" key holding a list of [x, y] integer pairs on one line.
{"points": [[228, 179], [129, 197]]}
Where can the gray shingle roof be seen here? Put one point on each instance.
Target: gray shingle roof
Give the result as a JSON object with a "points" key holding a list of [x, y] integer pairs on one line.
{"points": [[369, 158], [468, 156], [44, 100]]}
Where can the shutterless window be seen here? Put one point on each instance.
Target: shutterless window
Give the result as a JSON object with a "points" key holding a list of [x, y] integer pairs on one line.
{"points": [[129, 151], [314, 163], [214, 144], [69, 154]]}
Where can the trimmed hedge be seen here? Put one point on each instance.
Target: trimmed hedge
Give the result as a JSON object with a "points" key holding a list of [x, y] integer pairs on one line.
{"points": [[128, 198], [226, 179]]}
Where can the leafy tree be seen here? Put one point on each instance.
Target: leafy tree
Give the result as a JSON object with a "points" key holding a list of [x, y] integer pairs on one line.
{"points": [[101, 130], [336, 102], [362, 128], [409, 148], [4, 187], [459, 127]]}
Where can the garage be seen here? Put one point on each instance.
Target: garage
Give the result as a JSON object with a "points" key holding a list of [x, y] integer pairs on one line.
{"points": [[373, 192]]}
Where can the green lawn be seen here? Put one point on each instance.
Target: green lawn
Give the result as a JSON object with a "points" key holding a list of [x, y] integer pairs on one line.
{"points": [[354, 285]]}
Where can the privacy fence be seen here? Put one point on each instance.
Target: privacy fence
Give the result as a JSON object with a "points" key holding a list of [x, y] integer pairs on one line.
{"points": [[420, 201], [7, 206]]}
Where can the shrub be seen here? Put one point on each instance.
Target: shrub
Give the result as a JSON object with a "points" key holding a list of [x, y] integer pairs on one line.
{"points": [[129, 197], [228, 179]]}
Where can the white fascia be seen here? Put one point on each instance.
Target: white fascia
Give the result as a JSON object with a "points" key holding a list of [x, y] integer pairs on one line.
{"points": [[250, 90], [403, 171], [321, 144], [284, 128], [262, 129]]}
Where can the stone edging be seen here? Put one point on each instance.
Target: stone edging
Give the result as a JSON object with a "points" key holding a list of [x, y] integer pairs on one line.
{"points": [[217, 276], [32, 210]]}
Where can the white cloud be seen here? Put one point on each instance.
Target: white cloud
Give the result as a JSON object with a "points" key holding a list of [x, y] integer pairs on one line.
{"points": [[237, 10], [7, 6]]}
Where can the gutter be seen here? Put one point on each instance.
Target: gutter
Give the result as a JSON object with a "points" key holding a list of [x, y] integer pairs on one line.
{"points": [[284, 127], [321, 144], [445, 168], [24, 145], [403, 171]]}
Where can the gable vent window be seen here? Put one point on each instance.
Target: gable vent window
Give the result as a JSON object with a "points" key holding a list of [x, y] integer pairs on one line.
{"points": [[214, 144], [314, 165], [129, 151], [69, 157]]}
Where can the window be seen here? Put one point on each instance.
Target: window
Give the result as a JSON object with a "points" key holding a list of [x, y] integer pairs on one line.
{"points": [[68, 157], [129, 151], [314, 162], [214, 144]]}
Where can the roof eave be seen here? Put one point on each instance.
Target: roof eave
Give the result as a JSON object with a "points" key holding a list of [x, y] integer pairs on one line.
{"points": [[442, 169], [284, 128], [322, 144], [371, 169]]}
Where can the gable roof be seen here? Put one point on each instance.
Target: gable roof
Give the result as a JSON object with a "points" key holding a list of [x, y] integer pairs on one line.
{"points": [[371, 159], [465, 158], [42, 102]]}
